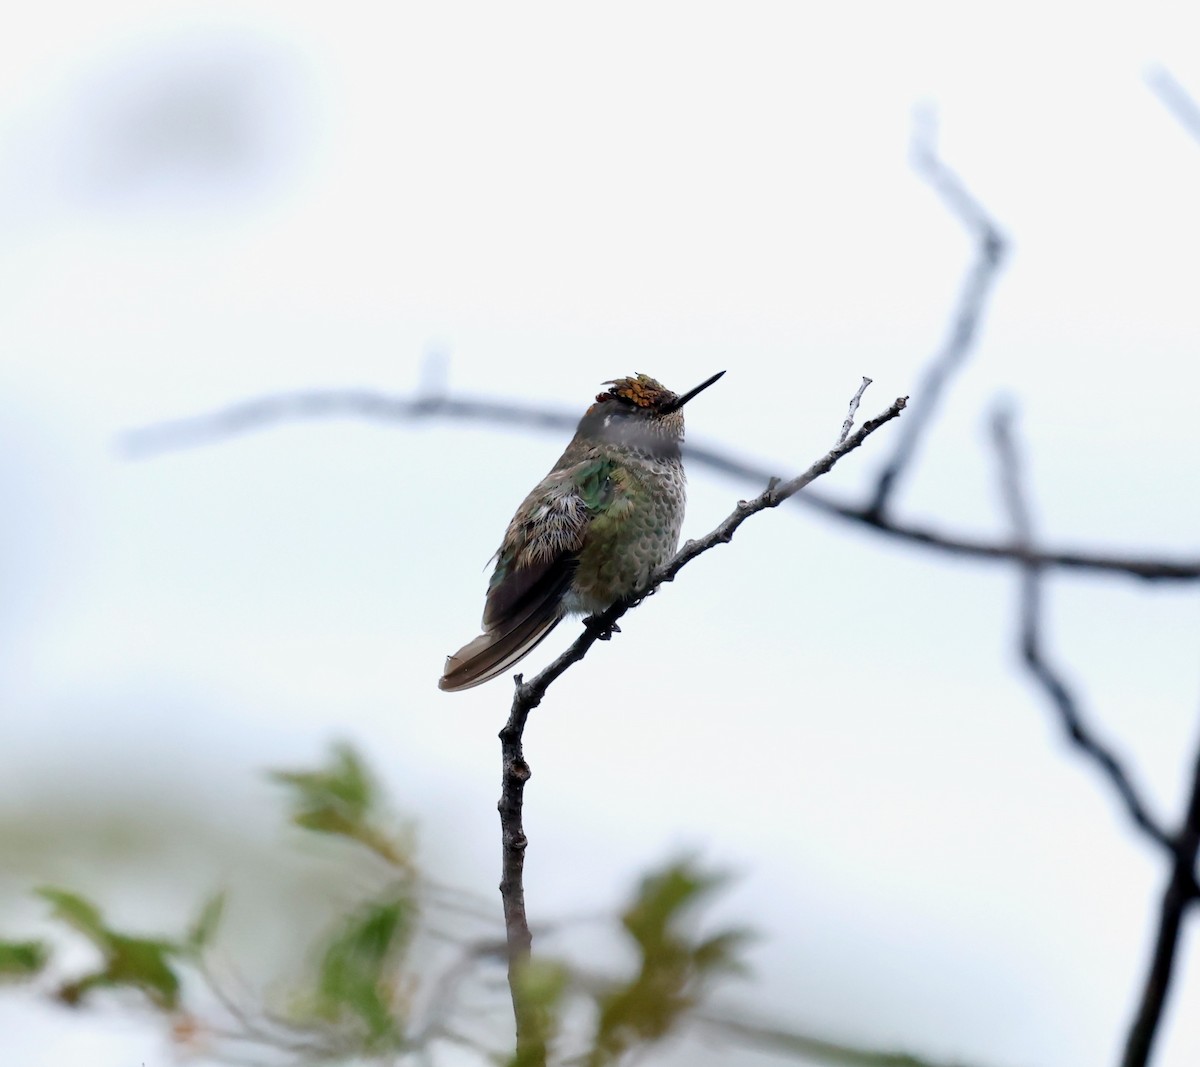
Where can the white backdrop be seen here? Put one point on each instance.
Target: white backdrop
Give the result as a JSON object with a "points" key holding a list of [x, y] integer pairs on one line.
{"points": [[200, 203]]}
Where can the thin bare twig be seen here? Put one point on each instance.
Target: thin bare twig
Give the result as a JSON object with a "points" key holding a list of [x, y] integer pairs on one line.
{"points": [[443, 995], [268, 1029], [968, 313], [775, 494], [848, 425], [528, 695]]}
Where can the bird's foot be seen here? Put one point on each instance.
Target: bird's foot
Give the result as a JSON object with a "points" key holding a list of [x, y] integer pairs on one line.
{"points": [[602, 630]]}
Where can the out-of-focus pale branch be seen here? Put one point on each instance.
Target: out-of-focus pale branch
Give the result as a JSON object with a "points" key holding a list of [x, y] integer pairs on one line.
{"points": [[265, 412], [855, 400], [990, 247], [1175, 98]]}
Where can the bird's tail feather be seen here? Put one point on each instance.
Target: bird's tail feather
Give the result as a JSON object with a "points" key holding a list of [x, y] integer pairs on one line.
{"points": [[493, 653]]}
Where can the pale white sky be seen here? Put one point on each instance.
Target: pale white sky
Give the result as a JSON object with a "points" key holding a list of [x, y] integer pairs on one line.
{"points": [[199, 203]]}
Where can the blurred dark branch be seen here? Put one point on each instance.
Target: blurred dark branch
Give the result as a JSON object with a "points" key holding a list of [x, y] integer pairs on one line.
{"points": [[990, 246], [1063, 700], [1148, 568], [1176, 99], [1182, 889], [528, 695], [1180, 894], [265, 412]]}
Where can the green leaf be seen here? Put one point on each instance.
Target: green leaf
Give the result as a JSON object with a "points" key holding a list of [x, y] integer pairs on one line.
{"points": [[539, 987], [542, 983], [327, 821], [721, 952], [204, 929], [663, 898], [343, 792], [359, 966], [22, 959], [138, 962], [81, 914], [343, 800], [674, 965], [142, 963]]}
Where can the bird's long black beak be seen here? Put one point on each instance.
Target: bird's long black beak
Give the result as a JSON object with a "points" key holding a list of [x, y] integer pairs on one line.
{"points": [[692, 392]]}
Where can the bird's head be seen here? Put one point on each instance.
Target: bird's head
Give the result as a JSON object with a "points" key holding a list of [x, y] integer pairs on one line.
{"points": [[640, 412]]}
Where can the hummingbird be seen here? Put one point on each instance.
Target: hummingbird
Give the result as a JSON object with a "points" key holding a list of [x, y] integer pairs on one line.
{"points": [[591, 532]]}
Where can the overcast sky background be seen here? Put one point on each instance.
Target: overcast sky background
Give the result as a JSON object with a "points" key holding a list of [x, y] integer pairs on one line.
{"points": [[204, 202]]}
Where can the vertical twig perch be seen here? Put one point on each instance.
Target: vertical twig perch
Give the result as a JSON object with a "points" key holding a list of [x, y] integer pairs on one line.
{"points": [[531, 1047]]}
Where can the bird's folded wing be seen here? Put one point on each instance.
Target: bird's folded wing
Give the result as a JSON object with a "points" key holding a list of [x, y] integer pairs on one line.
{"points": [[534, 571]]}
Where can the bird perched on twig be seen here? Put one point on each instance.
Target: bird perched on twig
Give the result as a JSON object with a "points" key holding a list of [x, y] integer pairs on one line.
{"points": [[591, 532]]}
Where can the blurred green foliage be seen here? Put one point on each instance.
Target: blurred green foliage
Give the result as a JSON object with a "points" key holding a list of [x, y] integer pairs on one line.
{"points": [[21, 960], [357, 970], [675, 966], [342, 799], [139, 962], [353, 999], [202, 932]]}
